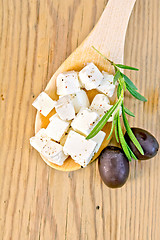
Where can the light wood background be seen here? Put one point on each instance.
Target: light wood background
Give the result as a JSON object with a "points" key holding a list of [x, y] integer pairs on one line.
{"points": [[37, 202]]}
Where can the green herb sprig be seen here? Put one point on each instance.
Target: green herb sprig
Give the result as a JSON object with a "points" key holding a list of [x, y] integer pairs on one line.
{"points": [[124, 83]]}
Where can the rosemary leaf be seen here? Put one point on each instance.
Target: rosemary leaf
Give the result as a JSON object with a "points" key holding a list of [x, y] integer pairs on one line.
{"points": [[116, 76], [129, 82], [122, 140], [112, 128], [136, 94], [116, 128], [119, 89], [130, 133], [128, 112], [124, 85], [131, 153], [126, 67]]}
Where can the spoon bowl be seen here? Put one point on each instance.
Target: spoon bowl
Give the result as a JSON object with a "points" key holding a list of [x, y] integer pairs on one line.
{"points": [[108, 36]]}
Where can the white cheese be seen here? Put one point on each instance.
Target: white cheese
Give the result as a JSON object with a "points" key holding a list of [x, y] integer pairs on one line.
{"points": [[90, 76], [80, 100], [99, 139], [100, 104], [67, 83], [80, 149], [85, 121], [65, 108], [54, 153], [57, 128], [44, 104], [98, 99], [39, 140], [106, 86]]}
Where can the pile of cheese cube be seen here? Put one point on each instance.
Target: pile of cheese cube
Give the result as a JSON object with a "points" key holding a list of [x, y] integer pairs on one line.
{"points": [[74, 119]]}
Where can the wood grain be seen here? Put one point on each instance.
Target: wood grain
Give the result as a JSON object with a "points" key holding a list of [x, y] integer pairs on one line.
{"points": [[37, 202]]}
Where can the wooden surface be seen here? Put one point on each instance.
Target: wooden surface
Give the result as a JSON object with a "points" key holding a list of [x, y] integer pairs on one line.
{"points": [[37, 202]]}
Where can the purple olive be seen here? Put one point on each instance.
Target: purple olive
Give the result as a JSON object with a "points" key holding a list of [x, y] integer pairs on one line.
{"points": [[113, 167], [147, 141]]}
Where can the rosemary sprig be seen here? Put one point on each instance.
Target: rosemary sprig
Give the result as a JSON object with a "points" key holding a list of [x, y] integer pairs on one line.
{"points": [[124, 83]]}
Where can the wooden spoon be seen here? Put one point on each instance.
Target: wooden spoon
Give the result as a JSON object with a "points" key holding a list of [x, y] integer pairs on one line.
{"points": [[108, 36]]}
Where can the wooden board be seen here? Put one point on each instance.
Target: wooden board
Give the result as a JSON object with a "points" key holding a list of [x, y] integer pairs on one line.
{"points": [[37, 202]]}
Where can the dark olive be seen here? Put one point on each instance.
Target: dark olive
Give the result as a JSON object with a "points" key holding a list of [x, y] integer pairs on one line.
{"points": [[113, 167], [147, 141]]}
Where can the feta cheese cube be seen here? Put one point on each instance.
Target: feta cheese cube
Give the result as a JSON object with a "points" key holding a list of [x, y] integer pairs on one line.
{"points": [[39, 140], [100, 104], [80, 149], [54, 153], [67, 83], [49, 149], [65, 108], [90, 76], [44, 104], [57, 128], [99, 139], [106, 86], [80, 100], [85, 121]]}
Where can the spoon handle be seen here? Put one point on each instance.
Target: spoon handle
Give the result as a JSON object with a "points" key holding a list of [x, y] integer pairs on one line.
{"points": [[108, 35]]}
